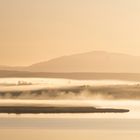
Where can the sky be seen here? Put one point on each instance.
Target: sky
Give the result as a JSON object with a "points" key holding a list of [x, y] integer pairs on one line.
{"points": [[38, 30]]}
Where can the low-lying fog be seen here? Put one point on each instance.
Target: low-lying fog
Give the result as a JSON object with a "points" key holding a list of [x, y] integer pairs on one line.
{"points": [[46, 88], [67, 92], [55, 82]]}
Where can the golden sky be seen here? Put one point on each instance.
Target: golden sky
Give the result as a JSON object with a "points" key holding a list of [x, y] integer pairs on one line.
{"points": [[37, 30]]}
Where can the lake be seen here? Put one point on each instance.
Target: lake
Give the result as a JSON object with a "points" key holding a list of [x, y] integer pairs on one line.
{"points": [[79, 126]]}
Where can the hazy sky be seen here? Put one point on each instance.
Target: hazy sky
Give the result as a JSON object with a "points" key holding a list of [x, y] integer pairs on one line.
{"points": [[37, 30]]}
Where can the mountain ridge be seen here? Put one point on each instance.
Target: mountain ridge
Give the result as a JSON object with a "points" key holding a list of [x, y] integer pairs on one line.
{"points": [[94, 61]]}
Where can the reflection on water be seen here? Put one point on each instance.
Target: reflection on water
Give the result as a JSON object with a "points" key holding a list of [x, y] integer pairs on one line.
{"points": [[69, 123], [96, 121], [63, 134]]}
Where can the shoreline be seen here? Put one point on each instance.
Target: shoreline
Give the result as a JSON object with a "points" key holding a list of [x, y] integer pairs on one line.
{"points": [[54, 109]]}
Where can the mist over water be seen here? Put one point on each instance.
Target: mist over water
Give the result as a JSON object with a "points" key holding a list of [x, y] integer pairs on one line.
{"points": [[66, 92], [45, 88]]}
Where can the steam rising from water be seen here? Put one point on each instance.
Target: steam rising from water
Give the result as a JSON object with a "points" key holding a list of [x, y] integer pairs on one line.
{"points": [[43, 88], [96, 93]]}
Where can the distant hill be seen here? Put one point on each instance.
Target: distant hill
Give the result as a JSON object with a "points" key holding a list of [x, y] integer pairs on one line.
{"points": [[95, 61]]}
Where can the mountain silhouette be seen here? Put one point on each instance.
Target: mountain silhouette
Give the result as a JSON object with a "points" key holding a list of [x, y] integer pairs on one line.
{"points": [[95, 61]]}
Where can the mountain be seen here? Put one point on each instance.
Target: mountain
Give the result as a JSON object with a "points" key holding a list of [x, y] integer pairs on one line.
{"points": [[95, 61]]}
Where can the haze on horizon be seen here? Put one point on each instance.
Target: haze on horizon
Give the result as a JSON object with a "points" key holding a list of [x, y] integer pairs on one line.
{"points": [[38, 30]]}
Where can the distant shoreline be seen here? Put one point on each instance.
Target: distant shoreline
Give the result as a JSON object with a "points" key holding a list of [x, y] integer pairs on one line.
{"points": [[71, 75]]}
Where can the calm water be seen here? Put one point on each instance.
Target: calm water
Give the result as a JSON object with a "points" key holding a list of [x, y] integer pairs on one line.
{"points": [[74, 126], [89, 126]]}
